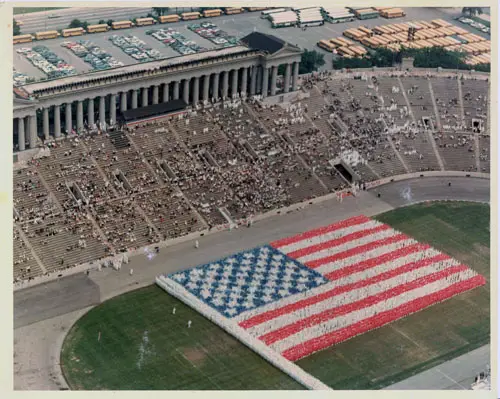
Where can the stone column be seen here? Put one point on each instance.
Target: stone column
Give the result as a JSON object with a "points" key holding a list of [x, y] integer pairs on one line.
{"points": [[102, 109], [46, 123], [274, 75], [166, 88], [123, 101], [90, 111], [144, 102], [196, 90], [260, 72], [176, 90], [253, 80], [155, 94], [69, 118], [216, 86], [112, 109], [295, 76], [234, 83], [33, 131], [134, 99], [57, 121], [79, 116], [206, 87], [21, 138], [225, 84], [244, 77], [286, 80], [185, 91], [265, 81]]}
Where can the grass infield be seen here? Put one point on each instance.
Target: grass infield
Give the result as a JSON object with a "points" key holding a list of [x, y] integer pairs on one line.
{"points": [[28, 10], [143, 345]]}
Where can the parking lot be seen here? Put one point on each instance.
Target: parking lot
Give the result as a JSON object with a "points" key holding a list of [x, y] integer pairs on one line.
{"points": [[235, 25]]}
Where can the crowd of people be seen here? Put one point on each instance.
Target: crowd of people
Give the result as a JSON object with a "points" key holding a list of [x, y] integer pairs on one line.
{"points": [[119, 188]]}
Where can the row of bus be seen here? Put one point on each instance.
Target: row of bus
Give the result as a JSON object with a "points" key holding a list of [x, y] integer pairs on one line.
{"points": [[187, 16], [342, 46], [422, 30], [436, 33]]}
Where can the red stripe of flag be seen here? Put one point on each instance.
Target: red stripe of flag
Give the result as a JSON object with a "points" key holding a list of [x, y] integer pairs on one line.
{"points": [[319, 231], [306, 348], [338, 241], [272, 314], [372, 262], [356, 251], [290, 329]]}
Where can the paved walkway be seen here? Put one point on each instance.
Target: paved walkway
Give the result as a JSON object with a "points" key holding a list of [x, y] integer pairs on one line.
{"points": [[458, 373], [44, 313]]}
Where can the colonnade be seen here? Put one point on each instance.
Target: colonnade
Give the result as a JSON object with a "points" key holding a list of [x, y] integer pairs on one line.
{"points": [[243, 81]]}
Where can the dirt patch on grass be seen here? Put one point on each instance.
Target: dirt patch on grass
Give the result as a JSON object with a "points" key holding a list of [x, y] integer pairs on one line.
{"points": [[194, 355], [481, 249]]}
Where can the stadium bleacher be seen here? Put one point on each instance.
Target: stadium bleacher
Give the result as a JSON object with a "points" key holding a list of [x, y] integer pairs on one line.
{"points": [[103, 193]]}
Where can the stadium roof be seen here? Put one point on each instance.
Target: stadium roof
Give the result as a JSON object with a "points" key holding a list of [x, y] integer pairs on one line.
{"points": [[264, 42], [151, 111], [136, 68]]}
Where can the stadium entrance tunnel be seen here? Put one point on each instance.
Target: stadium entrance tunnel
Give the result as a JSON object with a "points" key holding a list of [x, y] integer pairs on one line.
{"points": [[345, 170]]}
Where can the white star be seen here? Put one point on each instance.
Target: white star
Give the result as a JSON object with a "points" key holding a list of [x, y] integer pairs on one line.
{"points": [[218, 302], [179, 277], [231, 311]]}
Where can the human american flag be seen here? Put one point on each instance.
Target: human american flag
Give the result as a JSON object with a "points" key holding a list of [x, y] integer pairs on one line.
{"points": [[305, 293]]}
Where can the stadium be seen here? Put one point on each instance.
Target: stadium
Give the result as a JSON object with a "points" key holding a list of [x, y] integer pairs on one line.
{"points": [[212, 219]]}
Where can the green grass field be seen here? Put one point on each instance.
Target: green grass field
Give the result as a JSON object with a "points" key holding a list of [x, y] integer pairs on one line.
{"points": [[27, 10], [144, 346]]}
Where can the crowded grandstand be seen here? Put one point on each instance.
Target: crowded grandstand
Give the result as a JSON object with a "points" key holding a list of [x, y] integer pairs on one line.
{"points": [[209, 167]]}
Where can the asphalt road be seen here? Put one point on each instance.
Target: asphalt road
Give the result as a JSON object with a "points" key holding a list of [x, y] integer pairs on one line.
{"points": [[40, 21], [456, 374], [235, 25], [42, 314]]}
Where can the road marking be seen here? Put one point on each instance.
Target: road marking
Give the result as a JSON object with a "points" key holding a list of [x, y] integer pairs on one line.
{"points": [[451, 379]]}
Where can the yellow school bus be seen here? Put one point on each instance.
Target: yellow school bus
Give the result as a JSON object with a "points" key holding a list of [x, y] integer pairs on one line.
{"points": [[97, 28], [73, 32], [188, 16], [144, 21], [212, 13], [168, 18], [326, 45], [51, 34], [233, 10], [122, 25], [22, 39]]}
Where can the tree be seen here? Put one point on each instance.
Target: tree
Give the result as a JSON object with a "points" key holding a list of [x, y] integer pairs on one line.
{"points": [[471, 11], [16, 29], [102, 21], [109, 22], [311, 61], [159, 11], [76, 23]]}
